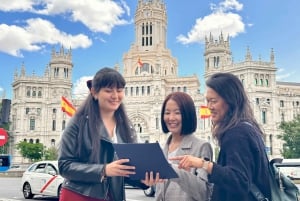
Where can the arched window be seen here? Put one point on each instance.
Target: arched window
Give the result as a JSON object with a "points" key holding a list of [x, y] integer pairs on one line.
{"points": [[32, 123], [53, 125], [143, 90], [140, 128], [63, 126], [28, 92], [264, 117], [39, 92], [216, 61], [267, 82], [281, 103], [33, 92]]}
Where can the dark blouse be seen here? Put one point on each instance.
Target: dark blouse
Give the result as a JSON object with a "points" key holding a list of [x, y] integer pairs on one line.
{"points": [[241, 161]]}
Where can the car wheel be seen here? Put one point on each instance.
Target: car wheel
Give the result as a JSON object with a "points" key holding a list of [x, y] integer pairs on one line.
{"points": [[149, 192], [27, 191]]}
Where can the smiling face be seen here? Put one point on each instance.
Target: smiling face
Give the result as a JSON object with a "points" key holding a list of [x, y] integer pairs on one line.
{"points": [[110, 99], [172, 117], [218, 107]]}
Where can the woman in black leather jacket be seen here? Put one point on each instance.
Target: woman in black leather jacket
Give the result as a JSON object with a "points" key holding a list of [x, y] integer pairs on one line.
{"points": [[87, 159]]}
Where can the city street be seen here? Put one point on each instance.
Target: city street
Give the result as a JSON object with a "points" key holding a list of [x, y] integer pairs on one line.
{"points": [[10, 190]]}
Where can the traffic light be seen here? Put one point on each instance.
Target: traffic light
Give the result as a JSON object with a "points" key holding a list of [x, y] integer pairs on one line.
{"points": [[4, 160]]}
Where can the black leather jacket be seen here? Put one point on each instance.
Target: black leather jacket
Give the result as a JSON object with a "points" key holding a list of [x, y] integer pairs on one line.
{"points": [[80, 174]]}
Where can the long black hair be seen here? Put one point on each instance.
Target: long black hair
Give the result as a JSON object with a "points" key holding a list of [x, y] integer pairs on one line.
{"points": [[232, 91], [89, 110]]}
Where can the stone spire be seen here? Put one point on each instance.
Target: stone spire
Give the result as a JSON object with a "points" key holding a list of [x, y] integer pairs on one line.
{"points": [[248, 56]]}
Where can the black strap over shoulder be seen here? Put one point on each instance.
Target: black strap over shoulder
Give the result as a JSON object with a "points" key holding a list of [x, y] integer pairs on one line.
{"points": [[257, 193]]}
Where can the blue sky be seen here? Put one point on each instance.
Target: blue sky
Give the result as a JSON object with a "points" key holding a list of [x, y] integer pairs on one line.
{"points": [[101, 31]]}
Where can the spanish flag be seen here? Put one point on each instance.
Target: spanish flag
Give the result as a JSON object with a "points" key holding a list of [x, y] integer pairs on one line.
{"points": [[204, 112], [67, 107], [140, 63]]}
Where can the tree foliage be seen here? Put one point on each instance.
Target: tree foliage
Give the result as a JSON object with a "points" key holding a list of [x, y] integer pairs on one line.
{"points": [[32, 151], [51, 153], [291, 138]]}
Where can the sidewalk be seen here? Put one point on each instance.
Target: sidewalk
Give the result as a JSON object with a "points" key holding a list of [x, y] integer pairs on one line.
{"points": [[5, 199]]}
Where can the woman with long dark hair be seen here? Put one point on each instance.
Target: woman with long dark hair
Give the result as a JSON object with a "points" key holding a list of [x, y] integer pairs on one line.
{"points": [[87, 159], [242, 159]]}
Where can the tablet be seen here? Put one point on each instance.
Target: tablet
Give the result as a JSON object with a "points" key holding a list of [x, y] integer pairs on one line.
{"points": [[146, 157]]}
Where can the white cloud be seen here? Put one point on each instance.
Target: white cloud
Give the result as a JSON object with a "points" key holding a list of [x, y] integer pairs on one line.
{"points": [[220, 20], [126, 7], [17, 5], [80, 89], [36, 33], [98, 16], [279, 70], [14, 38], [282, 77], [2, 92], [230, 5]]}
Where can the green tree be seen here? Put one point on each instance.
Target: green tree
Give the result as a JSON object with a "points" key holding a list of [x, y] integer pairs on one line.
{"points": [[291, 138], [51, 153], [32, 151]]}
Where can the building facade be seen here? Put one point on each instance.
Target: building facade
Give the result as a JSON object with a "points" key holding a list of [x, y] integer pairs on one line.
{"points": [[151, 72], [35, 107]]}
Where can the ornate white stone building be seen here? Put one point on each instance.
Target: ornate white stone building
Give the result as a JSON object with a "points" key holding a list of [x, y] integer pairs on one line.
{"points": [[36, 114], [36, 111]]}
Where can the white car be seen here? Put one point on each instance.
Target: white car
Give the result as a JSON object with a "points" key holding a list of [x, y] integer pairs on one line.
{"points": [[42, 178], [291, 168]]}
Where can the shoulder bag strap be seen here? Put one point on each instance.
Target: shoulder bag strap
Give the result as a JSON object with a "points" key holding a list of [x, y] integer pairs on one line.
{"points": [[257, 193]]}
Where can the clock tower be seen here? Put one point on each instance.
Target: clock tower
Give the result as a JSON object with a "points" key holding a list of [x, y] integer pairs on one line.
{"points": [[151, 72], [148, 54]]}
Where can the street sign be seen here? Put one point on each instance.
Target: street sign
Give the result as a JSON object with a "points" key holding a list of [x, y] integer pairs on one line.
{"points": [[4, 162], [3, 137]]}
